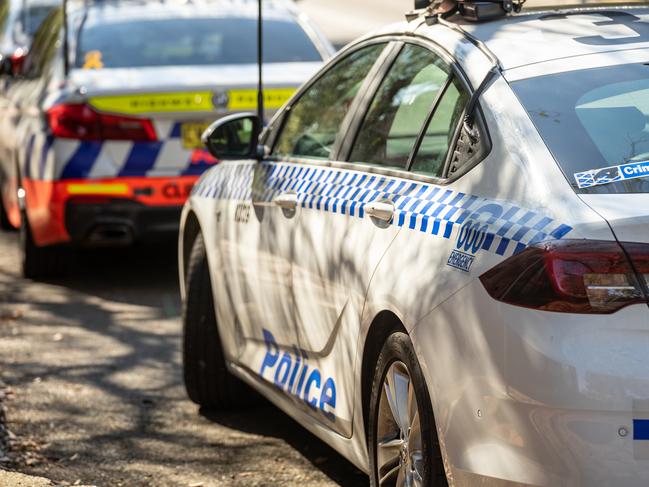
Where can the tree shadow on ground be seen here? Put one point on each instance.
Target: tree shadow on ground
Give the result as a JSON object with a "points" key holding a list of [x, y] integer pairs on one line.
{"points": [[100, 302], [267, 420]]}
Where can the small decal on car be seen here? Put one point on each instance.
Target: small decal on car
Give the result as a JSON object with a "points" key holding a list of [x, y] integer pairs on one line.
{"points": [[469, 242], [606, 175], [92, 60], [460, 260]]}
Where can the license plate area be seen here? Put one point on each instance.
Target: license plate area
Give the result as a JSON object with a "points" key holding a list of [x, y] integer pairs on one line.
{"points": [[190, 134]]}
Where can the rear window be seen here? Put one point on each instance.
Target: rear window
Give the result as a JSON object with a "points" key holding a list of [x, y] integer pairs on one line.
{"points": [[593, 120], [34, 16], [192, 41]]}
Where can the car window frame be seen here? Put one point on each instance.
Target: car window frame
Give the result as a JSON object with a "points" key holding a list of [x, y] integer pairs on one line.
{"points": [[353, 120], [352, 137], [275, 127]]}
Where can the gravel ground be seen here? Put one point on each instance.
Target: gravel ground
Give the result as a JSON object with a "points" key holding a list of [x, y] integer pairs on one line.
{"points": [[92, 362]]}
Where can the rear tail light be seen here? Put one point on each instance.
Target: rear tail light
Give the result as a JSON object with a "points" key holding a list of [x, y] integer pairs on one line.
{"points": [[18, 60], [80, 121], [572, 276]]}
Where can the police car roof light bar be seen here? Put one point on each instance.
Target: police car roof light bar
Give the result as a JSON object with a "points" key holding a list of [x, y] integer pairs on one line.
{"points": [[471, 10]]}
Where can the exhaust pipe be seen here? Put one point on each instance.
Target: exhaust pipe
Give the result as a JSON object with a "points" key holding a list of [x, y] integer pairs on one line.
{"points": [[112, 234]]}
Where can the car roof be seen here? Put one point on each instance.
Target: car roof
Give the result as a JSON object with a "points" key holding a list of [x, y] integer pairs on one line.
{"points": [[536, 37]]}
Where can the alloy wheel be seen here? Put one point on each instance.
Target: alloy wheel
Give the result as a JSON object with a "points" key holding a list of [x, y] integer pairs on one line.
{"points": [[399, 450]]}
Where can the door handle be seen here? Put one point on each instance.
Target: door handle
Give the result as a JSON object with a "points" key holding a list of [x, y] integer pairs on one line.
{"points": [[381, 210], [286, 201]]}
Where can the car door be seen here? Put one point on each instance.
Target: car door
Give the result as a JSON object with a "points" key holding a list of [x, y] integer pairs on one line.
{"points": [[351, 216], [258, 245]]}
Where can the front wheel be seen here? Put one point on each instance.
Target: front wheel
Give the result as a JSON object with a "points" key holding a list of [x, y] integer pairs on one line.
{"points": [[208, 381], [404, 450]]}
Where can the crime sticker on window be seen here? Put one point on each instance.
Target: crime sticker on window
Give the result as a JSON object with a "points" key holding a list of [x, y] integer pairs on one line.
{"points": [[611, 174]]}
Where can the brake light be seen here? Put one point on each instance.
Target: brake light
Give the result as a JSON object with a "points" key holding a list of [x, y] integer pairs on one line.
{"points": [[572, 276], [17, 60], [80, 121]]}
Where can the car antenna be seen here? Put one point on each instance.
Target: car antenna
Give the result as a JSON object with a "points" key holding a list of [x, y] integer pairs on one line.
{"points": [[66, 47], [260, 61]]}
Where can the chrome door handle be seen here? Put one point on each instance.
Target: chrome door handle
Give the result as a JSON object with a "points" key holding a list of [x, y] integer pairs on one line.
{"points": [[381, 210], [286, 201]]}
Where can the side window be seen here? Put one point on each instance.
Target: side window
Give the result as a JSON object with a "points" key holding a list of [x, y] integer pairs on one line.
{"points": [[45, 45], [440, 132], [400, 107], [313, 122]]}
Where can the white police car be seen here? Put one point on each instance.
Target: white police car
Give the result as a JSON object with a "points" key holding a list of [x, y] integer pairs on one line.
{"points": [[100, 135], [437, 262]]}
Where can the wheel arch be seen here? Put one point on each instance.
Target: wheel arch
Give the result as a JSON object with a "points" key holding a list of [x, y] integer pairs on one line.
{"points": [[190, 228], [383, 325]]}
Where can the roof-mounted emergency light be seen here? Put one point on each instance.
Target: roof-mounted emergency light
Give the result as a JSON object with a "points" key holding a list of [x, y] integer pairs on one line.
{"points": [[474, 11]]}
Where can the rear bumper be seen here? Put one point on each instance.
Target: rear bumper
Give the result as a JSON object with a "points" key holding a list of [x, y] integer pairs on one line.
{"points": [[115, 211], [535, 398], [120, 222]]}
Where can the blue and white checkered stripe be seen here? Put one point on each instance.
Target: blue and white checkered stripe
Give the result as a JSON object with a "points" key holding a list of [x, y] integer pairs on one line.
{"points": [[49, 158], [422, 207]]}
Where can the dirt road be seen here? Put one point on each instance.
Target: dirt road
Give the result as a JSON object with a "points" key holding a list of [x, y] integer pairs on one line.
{"points": [[93, 362]]}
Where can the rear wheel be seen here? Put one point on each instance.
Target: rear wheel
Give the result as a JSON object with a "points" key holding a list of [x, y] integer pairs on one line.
{"points": [[207, 379], [38, 261], [404, 450]]}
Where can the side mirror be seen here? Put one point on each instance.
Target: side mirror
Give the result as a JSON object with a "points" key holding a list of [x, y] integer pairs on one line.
{"points": [[233, 137]]}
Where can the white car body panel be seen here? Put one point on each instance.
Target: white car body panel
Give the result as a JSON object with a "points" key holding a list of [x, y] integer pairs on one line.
{"points": [[521, 397], [625, 212], [548, 36]]}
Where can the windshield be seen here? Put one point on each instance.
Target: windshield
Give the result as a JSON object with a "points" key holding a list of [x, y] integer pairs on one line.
{"points": [[191, 41], [593, 121]]}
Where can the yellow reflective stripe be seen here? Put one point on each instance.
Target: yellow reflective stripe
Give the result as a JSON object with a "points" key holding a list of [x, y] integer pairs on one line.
{"points": [[199, 101], [247, 99], [97, 188], [154, 102]]}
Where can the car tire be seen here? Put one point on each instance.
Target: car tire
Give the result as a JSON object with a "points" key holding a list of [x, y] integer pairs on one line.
{"points": [[38, 261], [5, 224], [411, 457], [208, 381]]}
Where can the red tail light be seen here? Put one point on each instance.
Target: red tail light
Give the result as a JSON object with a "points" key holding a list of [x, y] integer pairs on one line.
{"points": [[79, 121], [18, 60], [572, 276]]}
